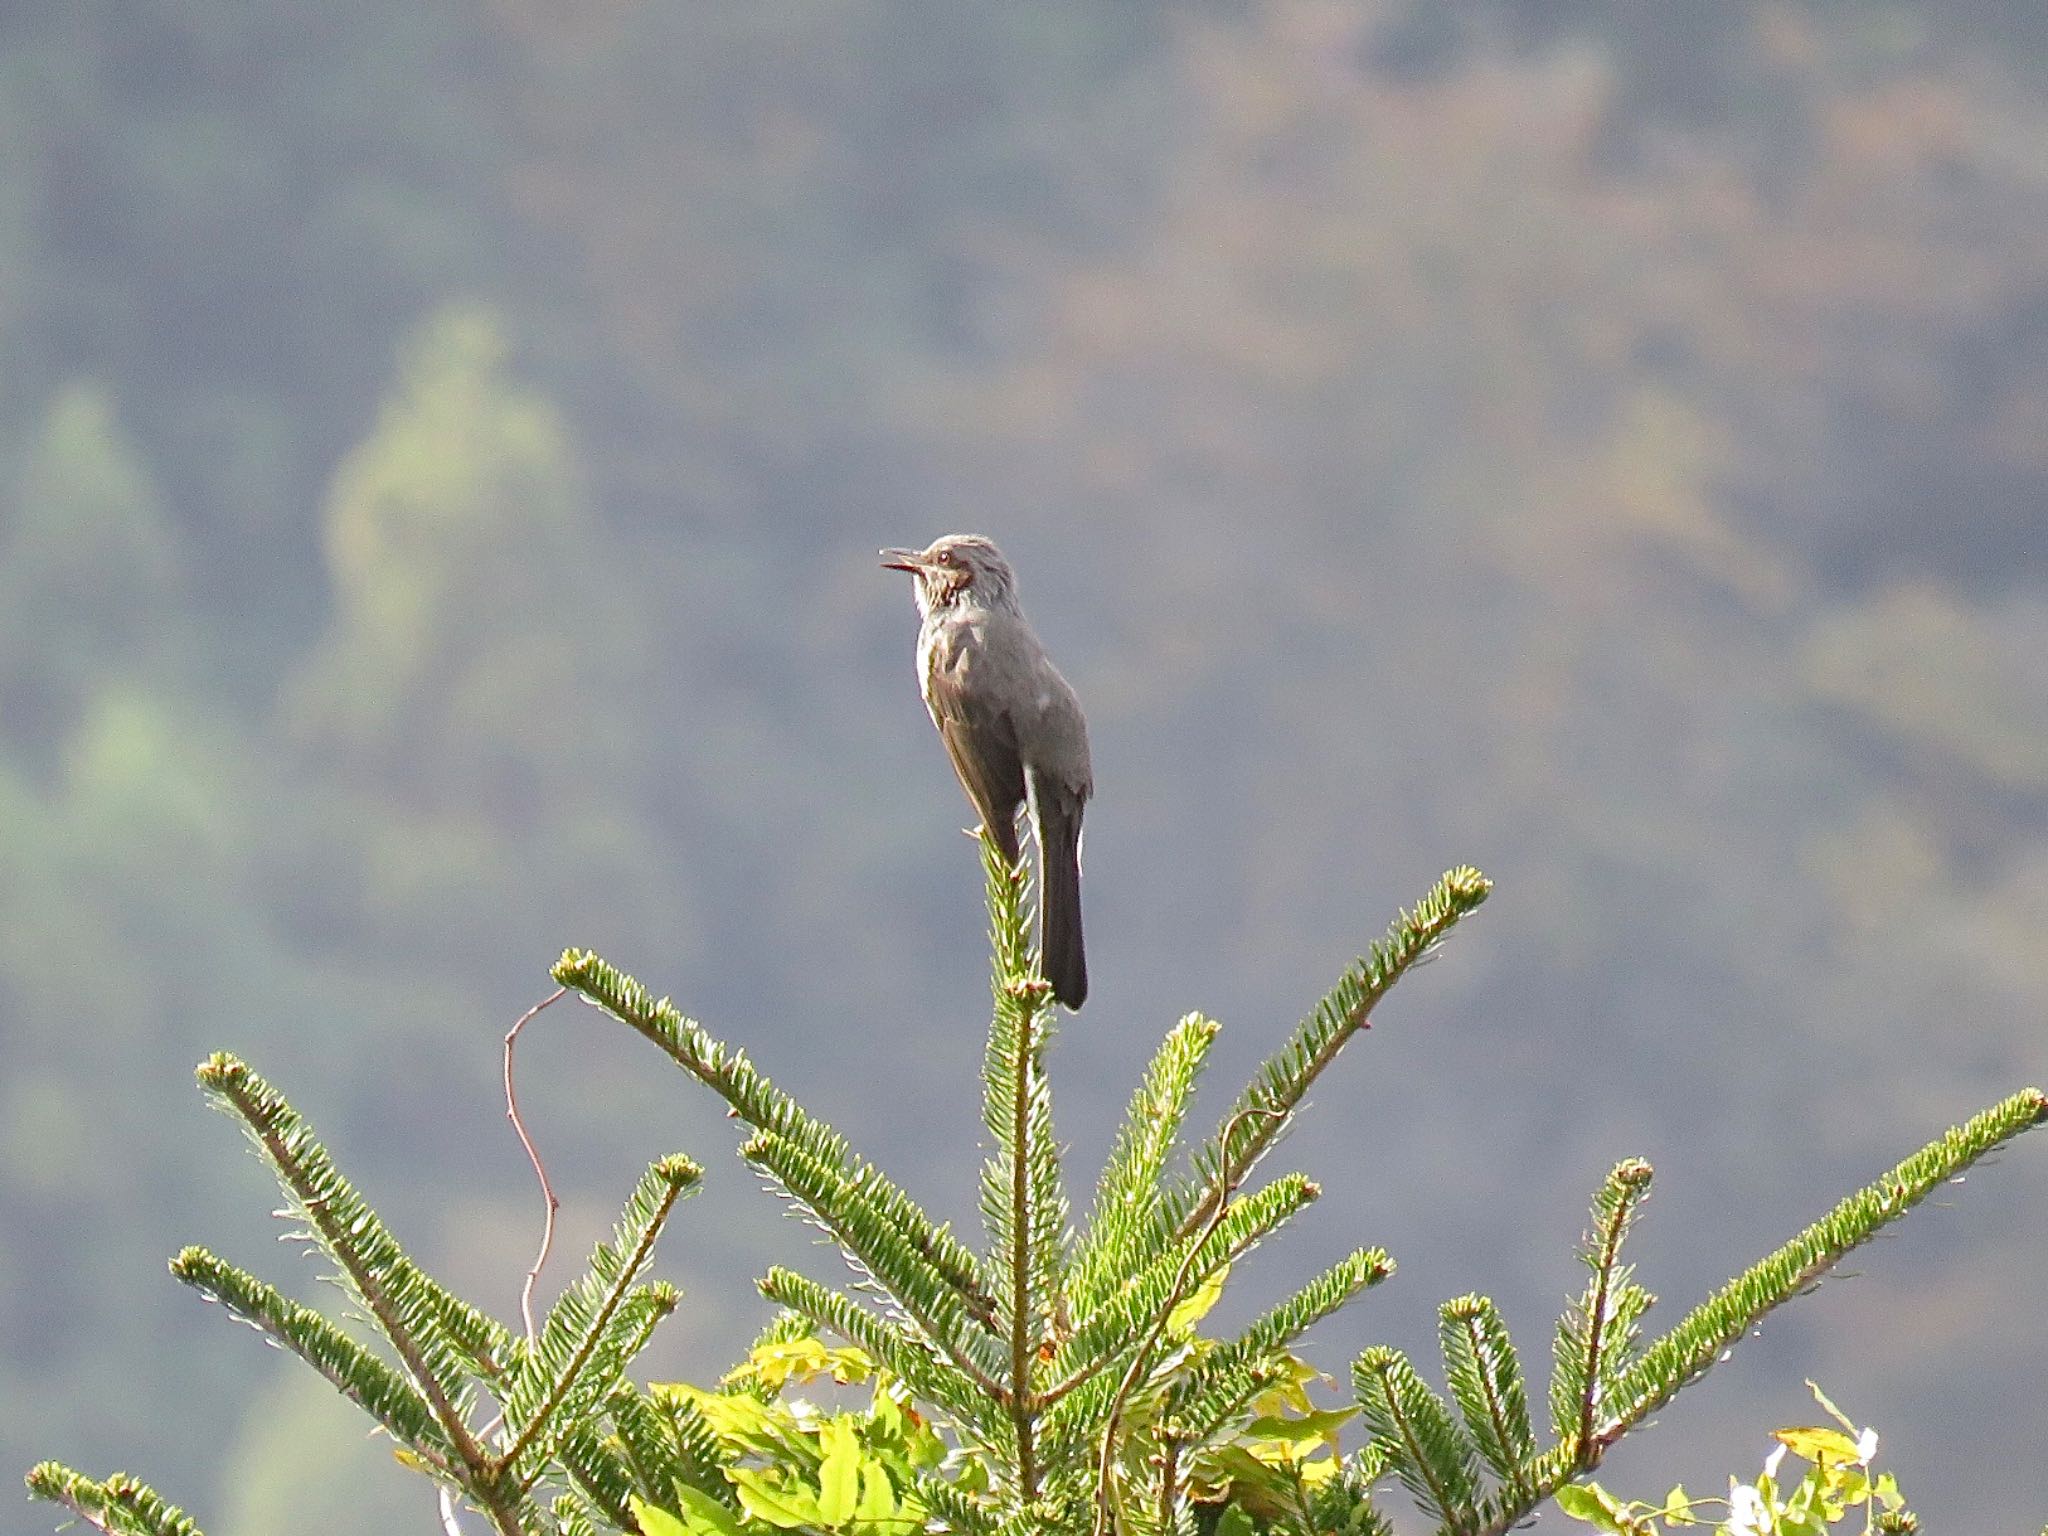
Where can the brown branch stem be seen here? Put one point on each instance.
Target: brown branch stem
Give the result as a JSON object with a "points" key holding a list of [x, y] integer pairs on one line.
{"points": [[1596, 1325], [475, 1460], [1023, 1412]]}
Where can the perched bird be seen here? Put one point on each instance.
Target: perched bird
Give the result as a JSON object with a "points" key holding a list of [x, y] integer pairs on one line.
{"points": [[1011, 725]]}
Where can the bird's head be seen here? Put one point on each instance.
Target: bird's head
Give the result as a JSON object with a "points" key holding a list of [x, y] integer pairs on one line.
{"points": [[956, 565]]}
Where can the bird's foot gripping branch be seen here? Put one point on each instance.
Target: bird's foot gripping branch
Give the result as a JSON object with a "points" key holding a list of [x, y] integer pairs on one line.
{"points": [[1056, 1378]]}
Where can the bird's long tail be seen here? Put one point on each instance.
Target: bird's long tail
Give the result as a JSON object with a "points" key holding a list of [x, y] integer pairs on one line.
{"points": [[1058, 814]]}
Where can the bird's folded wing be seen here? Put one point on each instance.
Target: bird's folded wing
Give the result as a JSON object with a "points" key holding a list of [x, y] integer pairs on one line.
{"points": [[983, 746]]}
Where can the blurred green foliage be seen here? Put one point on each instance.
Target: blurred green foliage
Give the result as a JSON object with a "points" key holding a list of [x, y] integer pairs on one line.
{"points": [[439, 449]]}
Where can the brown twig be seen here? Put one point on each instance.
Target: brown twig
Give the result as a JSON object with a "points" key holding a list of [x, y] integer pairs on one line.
{"points": [[547, 1234], [1169, 1480]]}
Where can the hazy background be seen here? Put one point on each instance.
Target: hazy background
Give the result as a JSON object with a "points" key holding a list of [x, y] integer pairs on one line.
{"points": [[442, 453]]}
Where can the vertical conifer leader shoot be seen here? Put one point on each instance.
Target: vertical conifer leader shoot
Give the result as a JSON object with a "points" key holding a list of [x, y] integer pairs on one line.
{"points": [[1023, 1203]]}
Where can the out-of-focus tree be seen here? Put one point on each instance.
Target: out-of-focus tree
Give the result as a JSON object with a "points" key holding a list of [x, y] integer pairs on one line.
{"points": [[91, 576], [304, 1460], [227, 210], [479, 676]]}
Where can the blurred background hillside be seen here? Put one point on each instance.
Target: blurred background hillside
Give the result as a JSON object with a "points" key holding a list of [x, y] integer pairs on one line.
{"points": [[442, 453]]}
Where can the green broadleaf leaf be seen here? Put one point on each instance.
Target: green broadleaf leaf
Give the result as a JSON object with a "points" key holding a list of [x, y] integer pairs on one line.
{"points": [[1196, 1305], [839, 1472], [1888, 1492], [1591, 1503], [877, 1496], [656, 1521], [780, 1504], [1819, 1443], [1833, 1412], [1255, 1487], [708, 1517], [1307, 1429], [745, 1424]]}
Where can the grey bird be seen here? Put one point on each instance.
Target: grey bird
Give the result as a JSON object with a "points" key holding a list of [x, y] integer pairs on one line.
{"points": [[1011, 725]]}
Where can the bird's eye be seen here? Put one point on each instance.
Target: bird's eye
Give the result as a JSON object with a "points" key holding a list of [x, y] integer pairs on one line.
{"points": [[945, 557]]}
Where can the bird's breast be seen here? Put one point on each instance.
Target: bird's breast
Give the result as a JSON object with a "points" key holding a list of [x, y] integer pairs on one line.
{"points": [[949, 651]]}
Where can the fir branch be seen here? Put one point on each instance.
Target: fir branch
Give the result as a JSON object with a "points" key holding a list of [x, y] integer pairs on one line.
{"points": [[1344, 1503], [877, 1248], [1023, 1204], [598, 1474], [1685, 1353], [1707, 1333], [671, 1439], [1071, 1427], [639, 1312], [958, 1511], [1592, 1329], [330, 1207], [638, 1459], [121, 1505], [592, 1333], [973, 1401], [1368, 1463], [1485, 1377], [1286, 1077], [784, 1327], [1198, 1405], [417, 1316], [575, 1515], [1429, 1453], [1183, 1283], [1029, 1522], [1149, 1298], [1198, 1413], [760, 1104], [354, 1371], [1128, 1227]]}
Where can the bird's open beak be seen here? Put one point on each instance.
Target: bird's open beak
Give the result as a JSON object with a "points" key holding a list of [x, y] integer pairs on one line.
{"points": [[911, 560]]}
